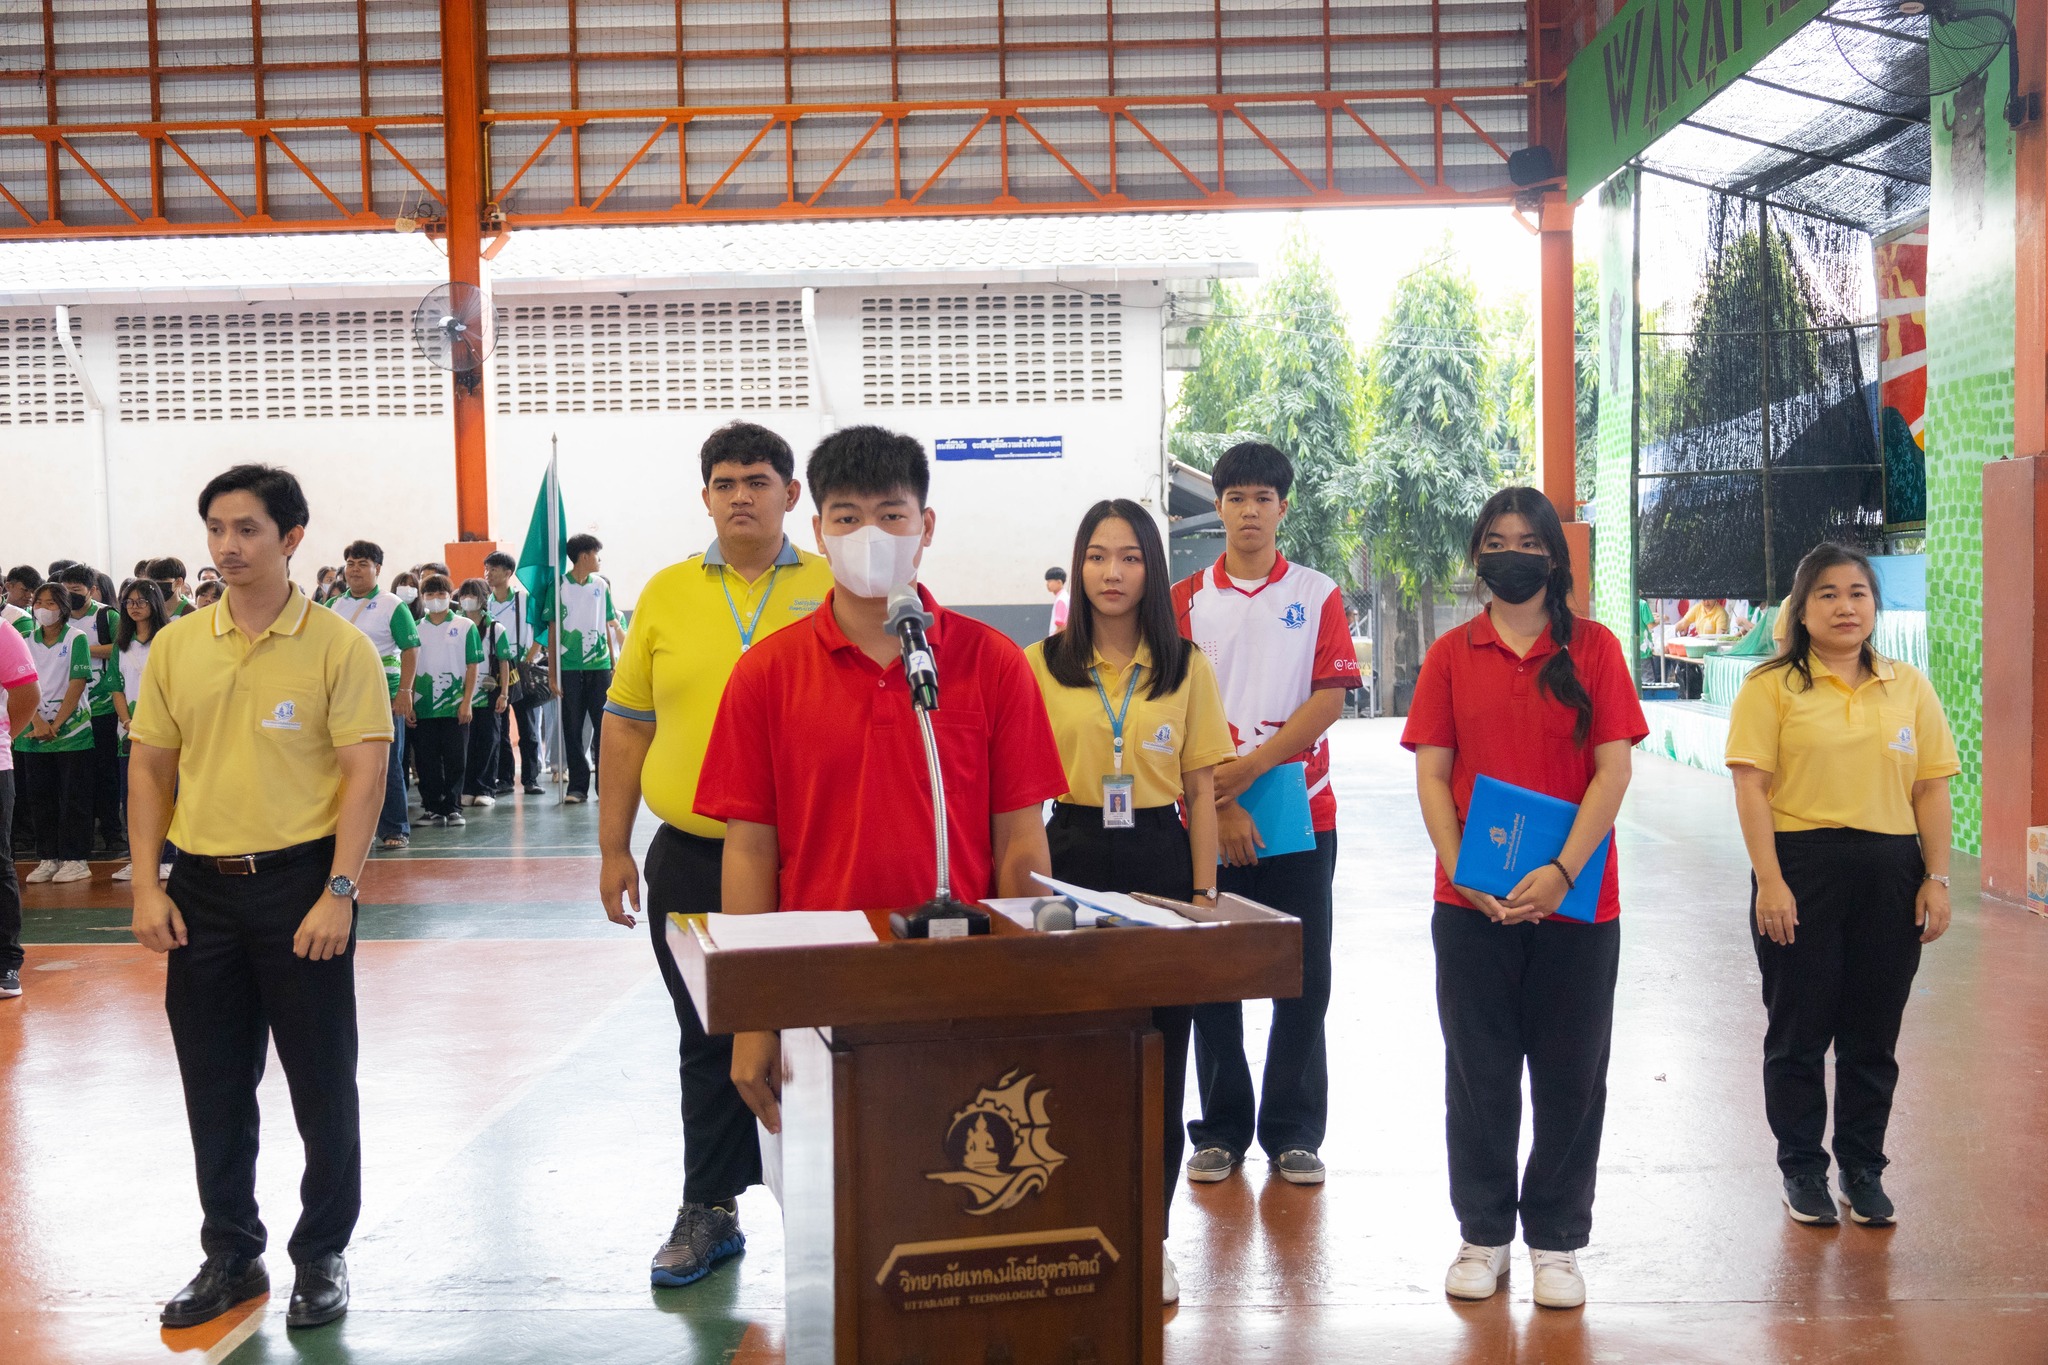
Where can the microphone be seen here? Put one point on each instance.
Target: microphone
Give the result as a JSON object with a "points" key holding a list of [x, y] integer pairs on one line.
{"points": [[908, 621]]}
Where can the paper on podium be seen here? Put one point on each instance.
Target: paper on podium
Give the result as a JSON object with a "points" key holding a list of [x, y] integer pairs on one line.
{"points": [[771, 1159], [791, 929], [1116, 903]]}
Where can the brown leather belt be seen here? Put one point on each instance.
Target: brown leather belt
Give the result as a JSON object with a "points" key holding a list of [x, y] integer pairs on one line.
{"points": [[249, 864]]}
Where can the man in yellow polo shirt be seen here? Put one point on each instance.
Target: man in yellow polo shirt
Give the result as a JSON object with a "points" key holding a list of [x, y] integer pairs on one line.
{"points": [[258, 746], [692, 623]]}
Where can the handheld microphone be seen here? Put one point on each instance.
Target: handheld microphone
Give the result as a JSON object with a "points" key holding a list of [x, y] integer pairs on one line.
{"points": [[908, 621]]}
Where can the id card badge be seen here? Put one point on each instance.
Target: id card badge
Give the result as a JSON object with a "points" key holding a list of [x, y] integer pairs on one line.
{"points": [[1117, 812]]}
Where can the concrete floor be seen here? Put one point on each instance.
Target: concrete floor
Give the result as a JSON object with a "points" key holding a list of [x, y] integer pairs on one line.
{"points": [[521, 1136]]}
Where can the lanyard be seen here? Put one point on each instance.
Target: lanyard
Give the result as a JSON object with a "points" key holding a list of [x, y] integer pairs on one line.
{"points": [[1116, 719], [747, 631]]}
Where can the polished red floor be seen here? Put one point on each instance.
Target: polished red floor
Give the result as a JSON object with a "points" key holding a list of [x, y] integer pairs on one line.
{"points": [[522, 1159]]}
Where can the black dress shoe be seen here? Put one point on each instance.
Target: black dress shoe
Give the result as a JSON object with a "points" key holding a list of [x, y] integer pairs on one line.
{"points": [[221, 1283], [320, 1293]]}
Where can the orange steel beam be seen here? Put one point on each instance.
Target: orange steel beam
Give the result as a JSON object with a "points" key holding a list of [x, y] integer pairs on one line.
{"points": [[462, 132]]}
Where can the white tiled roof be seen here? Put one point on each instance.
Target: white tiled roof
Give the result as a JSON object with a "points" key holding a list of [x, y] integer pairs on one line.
{"points": [[1107, 248]]}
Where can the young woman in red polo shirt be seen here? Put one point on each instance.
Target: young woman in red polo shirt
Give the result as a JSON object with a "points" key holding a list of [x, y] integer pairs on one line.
{"points": [[1531, 694]]}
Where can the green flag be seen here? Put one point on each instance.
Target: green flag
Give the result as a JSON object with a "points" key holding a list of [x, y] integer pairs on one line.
{"points": [[540, 559]]}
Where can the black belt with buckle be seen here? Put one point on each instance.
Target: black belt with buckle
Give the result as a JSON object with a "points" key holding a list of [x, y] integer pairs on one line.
{"points": [[249, 864]]}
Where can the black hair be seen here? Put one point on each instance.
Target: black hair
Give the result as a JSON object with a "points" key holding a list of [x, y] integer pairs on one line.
{"points": [[79, 575], [365, 549], [105, 585], [1797, 652], [54, 590], [27, 575], [205, 569], [1253, 464], [472, 587], [580, 546], [58, 566], [431, 566], [1071, 653], [427, 584], [124, 630], [209, 590], [1056, 574], [170, 567], [498, 559], [142, 568], [868, 459], [745, 443], [1559, 678], [278, 490]]}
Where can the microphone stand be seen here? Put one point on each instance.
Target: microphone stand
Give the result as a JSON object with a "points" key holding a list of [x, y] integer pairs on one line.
{"points": [[941, 916]]}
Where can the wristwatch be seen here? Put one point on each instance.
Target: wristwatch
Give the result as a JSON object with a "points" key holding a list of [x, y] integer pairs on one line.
{"points": [[341, 886], [1941, 877], [1210, 893]]}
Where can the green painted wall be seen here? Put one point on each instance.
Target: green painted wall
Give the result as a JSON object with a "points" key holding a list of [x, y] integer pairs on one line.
{"points": [[1614, 558], [1970, 292]]}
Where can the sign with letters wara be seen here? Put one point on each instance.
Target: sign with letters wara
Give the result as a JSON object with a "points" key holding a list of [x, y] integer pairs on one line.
{"points": [[1653, 65]]}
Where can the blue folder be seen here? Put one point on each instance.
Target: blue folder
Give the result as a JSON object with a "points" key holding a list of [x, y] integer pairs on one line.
{"points": [[1510, 831], [1278, 805]]}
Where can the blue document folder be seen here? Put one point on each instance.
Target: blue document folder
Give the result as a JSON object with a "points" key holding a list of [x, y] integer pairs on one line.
{"points": [[1511, 831], [1278, 805]]}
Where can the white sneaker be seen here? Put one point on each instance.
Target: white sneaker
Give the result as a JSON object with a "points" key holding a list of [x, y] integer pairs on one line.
{"points": [[163, 872], [127, 873], [1558, 1281], [1169, 1280], [44, 870], [1477, 1271], [486, 800], [468, 800], [72, 872]]}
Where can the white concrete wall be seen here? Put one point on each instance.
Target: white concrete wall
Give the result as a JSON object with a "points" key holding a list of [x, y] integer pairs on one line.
{"points": [[631, 478]]}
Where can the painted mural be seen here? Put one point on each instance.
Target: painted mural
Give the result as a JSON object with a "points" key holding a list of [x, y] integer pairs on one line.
{"points": [[1902, 374]]}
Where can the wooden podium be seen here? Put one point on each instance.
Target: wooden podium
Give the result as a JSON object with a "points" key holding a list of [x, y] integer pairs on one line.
{"points": [[972, 1128]]}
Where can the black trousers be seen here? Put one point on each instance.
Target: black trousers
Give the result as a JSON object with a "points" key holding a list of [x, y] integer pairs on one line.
{"points": [[526, 711], [721, 1149], [1536, 994], [441, 744], [233, 988], [10, 889], [480, 767], [1154, 858], [583, 693], [1843, 980], [60, 803], [1293, 1108], [112, 825]]}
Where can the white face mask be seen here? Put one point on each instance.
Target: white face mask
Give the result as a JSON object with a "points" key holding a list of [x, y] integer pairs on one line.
{"points": [[435, 605], [870, 561], [48, 616], [472, 604], [405, 595]]}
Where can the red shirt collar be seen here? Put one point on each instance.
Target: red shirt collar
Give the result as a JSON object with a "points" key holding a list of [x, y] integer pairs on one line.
{"points": [[1480, 631], [833, 638], [1224, 584]]}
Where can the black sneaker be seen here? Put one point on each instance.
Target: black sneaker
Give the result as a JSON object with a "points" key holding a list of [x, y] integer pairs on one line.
{"points": [[505, 790], [10, 984], [704, 1235], [1212, 1164], [221, 1283], [1868, 1203], [530, 789], [1808, 1201]]}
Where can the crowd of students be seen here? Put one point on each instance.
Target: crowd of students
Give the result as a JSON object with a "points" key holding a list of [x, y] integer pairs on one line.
{"points": [[760, 709]]}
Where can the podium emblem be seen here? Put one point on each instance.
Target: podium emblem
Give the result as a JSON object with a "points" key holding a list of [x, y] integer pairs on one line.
{"points": [[998, 1145]]}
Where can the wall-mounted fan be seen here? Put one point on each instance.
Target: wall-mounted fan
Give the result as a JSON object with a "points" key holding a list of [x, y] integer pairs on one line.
{"points": [[456, 328], [1889, 45]]}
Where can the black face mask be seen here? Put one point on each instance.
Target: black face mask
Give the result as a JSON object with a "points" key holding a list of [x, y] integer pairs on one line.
{"points": [[79, 602], [1512, 575]]}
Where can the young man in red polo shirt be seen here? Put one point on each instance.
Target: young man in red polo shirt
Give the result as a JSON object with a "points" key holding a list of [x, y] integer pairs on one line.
{"points": [[1278, 637], [816, 764]]}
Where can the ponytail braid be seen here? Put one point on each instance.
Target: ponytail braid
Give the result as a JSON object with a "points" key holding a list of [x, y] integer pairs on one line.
{"points": [[1560, 677]]}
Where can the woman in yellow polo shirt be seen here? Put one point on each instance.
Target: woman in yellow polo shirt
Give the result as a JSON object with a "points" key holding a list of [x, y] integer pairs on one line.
{"points": [[1841, 759], [1139, 721]]}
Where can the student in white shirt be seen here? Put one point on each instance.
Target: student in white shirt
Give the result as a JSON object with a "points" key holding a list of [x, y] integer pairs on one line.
{"points": [[491, 700], [142, 616], [393, 630], [507, 606]]}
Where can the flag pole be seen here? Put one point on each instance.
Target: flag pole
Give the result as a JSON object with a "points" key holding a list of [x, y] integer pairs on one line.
{"points": [[557, 571]]}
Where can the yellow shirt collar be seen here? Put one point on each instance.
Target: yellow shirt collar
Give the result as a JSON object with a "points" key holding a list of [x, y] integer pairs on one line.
{"points": [[1142, 657], [1880, 668], [290, 621]]}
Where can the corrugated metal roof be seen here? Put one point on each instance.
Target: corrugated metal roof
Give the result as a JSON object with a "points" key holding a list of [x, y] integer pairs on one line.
{"points": [[1110, 248]]}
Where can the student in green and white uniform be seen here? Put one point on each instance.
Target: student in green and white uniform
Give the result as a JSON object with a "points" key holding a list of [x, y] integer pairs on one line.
{"points": [[395, 633], [142, 616], [99, 622], [493, 694], [444, 687], [590, 642], [55, 752]]}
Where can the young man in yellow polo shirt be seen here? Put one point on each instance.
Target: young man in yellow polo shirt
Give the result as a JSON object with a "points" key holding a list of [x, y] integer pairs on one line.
{"points": [[693, 622], [258, 745]]}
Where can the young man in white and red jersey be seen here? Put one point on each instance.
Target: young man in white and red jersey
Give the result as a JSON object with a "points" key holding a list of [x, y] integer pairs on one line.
{"points": [[1278, 637]]}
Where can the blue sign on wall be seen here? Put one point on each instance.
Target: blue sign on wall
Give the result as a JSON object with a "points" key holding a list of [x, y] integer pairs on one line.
{"points": [[1000, 447]]}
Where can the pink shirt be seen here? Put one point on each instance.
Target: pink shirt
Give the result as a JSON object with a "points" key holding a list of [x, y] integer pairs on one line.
{"points": [[16, 669]]}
